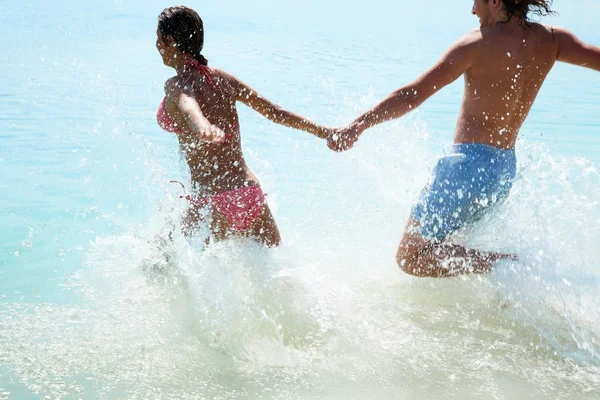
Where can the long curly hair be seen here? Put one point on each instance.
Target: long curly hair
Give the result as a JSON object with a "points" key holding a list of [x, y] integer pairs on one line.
{"points": [[524, 9]]}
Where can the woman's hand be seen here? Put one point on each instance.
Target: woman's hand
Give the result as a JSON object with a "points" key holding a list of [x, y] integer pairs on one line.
{"points": [[343, 139], [212, 133]]}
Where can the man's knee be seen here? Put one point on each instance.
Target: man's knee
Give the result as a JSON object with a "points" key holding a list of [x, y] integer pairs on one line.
{"points": [[413, 256], [408, 259]]}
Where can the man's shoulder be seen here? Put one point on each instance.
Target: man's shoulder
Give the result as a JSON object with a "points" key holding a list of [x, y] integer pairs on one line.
{"points": [[556, 30], [473, 37], [547, 30], [469, 40]]}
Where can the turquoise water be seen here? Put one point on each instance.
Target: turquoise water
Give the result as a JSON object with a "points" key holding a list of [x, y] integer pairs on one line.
{"points": [[84, 171]]}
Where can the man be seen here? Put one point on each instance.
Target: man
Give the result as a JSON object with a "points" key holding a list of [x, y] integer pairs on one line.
{"points": [[504, 63]]}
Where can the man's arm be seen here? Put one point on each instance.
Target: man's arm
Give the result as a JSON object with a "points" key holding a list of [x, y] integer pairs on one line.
{"points": [[572, 50], [455, 62]]}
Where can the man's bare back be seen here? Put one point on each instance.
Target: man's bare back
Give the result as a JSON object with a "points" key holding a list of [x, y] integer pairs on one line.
{"points": [[509, 63]]}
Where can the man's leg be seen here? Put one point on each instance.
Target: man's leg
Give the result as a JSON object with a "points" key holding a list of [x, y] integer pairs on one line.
{"points": [[428, 259]]}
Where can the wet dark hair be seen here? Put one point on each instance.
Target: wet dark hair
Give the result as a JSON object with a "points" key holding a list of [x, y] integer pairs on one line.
{"points": [[186, 27], [523, 9]]}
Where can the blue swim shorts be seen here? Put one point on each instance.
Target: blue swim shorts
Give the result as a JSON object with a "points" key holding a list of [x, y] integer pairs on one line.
{"points": [[463, 185]]}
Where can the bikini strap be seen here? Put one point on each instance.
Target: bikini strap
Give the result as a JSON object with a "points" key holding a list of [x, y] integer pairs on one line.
{"points": [[203, 69], [188, 197]]}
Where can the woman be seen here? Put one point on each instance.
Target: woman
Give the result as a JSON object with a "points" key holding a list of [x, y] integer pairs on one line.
{"points": [[504, 63], [200, 107]]}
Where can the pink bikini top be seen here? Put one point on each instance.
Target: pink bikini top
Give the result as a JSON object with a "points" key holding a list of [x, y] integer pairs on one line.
{"points": [[162, 117]]}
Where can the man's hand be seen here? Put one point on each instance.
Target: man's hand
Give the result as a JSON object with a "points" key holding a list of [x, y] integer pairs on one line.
{"points": [[343, 139]]}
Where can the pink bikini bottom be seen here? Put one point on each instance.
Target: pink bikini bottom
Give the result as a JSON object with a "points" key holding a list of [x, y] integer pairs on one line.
{"points": [[240, 207]]}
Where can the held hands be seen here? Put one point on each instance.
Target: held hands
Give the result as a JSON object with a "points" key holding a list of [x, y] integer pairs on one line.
{"points": [[342, 139]]}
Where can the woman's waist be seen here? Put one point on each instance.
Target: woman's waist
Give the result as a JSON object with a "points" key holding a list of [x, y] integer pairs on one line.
{"points": [[210, 185]]}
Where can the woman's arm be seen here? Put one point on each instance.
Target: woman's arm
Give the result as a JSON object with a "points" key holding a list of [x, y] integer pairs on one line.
{"points": [[191, 113], [275, 113]]}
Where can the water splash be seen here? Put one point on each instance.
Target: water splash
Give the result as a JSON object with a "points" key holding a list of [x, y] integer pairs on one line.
{"points": [[233, 320]]}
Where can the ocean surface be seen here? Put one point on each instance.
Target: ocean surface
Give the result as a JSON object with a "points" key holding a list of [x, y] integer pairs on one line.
{"points": [[92, 306]]}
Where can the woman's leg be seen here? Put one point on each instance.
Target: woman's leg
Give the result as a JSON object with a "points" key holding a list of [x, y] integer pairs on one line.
{"points": [[219, 226], [265, 229], [190, 220], [196, 215]]}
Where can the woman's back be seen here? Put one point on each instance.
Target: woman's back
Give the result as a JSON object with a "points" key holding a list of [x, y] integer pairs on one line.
{"points": [[213, 166]]}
